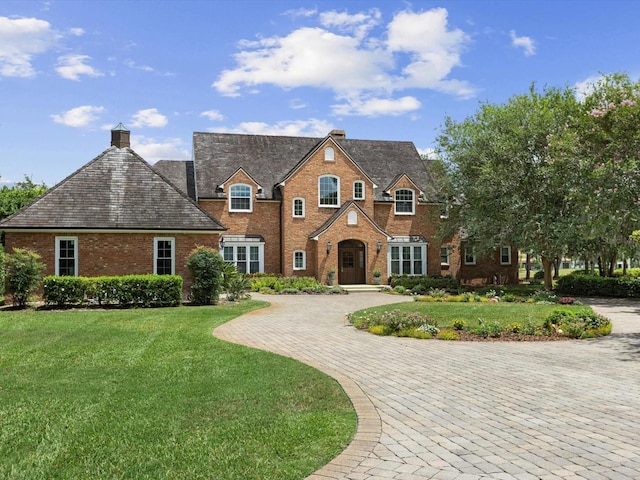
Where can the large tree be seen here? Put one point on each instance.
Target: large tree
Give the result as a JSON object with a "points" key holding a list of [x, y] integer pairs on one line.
{"points": [[17, 196], [506, 185]]}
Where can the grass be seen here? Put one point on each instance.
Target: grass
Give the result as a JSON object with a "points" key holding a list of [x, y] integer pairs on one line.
{"points": [[151, 394], [445, 312]]}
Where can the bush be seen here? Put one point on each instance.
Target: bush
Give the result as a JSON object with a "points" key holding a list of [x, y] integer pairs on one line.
{"points": [[458, 323], [236, 287], [400, 289], [124, 291], [206, 267], [1, 275], [382, 330], [24, 272], [514, 327], [414, 333], [581, 284], [577, 324], [447, 335], [277, 283], [424, 281]]}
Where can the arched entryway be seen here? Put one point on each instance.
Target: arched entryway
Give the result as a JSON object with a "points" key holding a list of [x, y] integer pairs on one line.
{"points": [[351, 262]]}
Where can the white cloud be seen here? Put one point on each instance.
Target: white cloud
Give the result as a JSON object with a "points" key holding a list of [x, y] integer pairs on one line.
{"points": [[526, 43], [153, 150], [374, 107], [20, 40], [294, 128], [429, 153], [418, 50], [72, 66], [214, 115], [77, 32], [297, 104], [301, 12], [148, 118], [586, 86], [82, 116]]}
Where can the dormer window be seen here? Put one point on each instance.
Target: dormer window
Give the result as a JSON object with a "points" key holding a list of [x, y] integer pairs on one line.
{"points": [[329, 154], [404, 202], [240, 198]]}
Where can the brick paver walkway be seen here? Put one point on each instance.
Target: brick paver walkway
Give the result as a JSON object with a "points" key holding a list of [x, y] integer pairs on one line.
{"points": [[466, 410]]}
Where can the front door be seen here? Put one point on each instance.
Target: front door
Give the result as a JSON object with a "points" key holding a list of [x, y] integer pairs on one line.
{"points": [[351, 262]]}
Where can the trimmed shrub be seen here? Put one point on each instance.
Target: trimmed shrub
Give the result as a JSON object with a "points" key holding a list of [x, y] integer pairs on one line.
{"points": [[425, 282], [448, 335], [24, 272], [581, 284], [206, 266], [277, 283], [124, 291], [577, 324]]}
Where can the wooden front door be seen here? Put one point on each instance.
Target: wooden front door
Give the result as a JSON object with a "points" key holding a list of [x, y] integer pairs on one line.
{"points": [[351, 262]]}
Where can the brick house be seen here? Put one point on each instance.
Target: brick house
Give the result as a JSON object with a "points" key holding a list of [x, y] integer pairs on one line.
{"points": [[289, 205]]}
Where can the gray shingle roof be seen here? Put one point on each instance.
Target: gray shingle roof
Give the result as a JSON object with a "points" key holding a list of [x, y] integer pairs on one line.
{"points": [[270, 158], [180, 173], [116, 190]]}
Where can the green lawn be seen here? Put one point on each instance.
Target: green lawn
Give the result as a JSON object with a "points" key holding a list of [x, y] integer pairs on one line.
{"points": [[151, 394], [502, 312]]}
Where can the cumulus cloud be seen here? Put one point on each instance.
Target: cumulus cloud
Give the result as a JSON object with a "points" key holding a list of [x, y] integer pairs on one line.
{"points": [[294, 128], [214, 115], [377, 106], [526, 43], [586, 86], [82, 116], [72, 66], [20, 40], [355, 58], [77, 32], [153, 150], [148, 118]]}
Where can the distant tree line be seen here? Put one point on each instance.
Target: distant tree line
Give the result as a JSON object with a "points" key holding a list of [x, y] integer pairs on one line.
{"points": [[17, 196]]}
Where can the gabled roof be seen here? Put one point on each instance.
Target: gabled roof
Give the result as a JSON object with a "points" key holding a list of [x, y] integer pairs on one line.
{"points": [[399, 177], [269, 159], [116, 190], [341, 211]]}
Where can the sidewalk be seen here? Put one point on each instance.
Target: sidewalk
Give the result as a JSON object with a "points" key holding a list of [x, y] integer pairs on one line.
{"points": [[466, 410]]}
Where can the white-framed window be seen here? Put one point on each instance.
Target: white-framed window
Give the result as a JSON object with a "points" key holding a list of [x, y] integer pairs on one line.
{"points": [[67, 256], [299, 260], [445, 256], [240, 198], [245, 252], [329, 191], [469, 256], [404, 202], [164, 259], [358, 190], [329, 154], [505, 255], [298, 207], [407, 257]]}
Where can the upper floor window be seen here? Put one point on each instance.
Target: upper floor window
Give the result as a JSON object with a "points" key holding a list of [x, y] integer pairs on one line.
{"points": [[329, 154], [358, 190], [404, 202], [298, 207], [164, 256], [329, 191], [505, 255], [240, 198], [67, 256]]}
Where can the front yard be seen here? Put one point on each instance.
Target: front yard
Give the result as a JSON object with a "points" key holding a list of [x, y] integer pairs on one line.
{"points": [[151, 394]]}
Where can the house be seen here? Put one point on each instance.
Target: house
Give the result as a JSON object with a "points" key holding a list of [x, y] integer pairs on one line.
{"points": [[288, 205]]}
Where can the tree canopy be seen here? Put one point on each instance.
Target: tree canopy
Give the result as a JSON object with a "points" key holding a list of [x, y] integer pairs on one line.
{"points": [[22, 193], [548, 172]]}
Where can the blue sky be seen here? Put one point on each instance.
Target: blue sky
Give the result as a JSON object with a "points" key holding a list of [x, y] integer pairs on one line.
{"points": [[384, 70]]}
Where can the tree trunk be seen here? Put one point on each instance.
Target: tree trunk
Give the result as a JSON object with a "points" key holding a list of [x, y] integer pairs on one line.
{"points": [[528, 267], [547, 266], [556, 268], [612, 265], [624, 267], [600, 267]]}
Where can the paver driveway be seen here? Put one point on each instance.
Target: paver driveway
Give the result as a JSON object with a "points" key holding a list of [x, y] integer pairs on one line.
{"points": [[458, 410]]}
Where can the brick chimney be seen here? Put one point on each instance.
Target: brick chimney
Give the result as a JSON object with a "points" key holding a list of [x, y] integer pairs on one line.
{"points": [[120, 136], [338, 134]]}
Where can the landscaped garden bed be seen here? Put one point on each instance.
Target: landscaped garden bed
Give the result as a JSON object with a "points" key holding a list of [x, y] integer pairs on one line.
{"points": [[489, 317]]}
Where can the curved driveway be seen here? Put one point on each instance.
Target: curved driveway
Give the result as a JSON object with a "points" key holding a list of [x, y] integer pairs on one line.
{"points": [[466, 410]]}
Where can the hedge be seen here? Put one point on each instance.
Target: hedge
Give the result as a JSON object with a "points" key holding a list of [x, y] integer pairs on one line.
{"points": [[423, 283], [124, 291], [1, 275], [581, 284]]}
